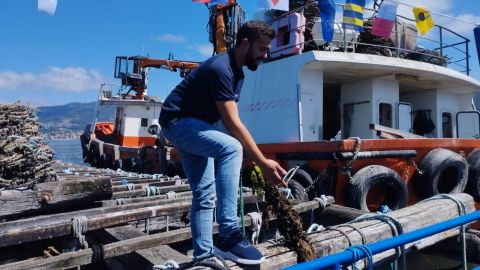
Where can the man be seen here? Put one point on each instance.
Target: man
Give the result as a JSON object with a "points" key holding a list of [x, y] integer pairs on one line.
{"points": [[208, 94]]}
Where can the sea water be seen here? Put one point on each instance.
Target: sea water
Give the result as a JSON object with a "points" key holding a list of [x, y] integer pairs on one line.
{"points": [[67, 150]]}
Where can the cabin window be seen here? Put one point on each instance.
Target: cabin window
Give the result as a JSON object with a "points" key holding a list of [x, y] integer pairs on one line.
{"points": [[447, 125], [144, 122], [385, 115], [283, 36]]}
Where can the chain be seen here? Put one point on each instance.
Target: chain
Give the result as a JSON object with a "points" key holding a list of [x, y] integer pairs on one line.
{"points": [[420, 172], [407, 173]]}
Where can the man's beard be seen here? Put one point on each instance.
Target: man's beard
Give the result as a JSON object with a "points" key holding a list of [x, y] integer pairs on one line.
{"points": [[250, 61]]}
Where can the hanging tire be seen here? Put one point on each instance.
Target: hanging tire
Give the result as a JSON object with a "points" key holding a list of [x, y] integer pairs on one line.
{"points": [[375, 185], [303, 178], [443, 171], [298, 191], [473, 184]]}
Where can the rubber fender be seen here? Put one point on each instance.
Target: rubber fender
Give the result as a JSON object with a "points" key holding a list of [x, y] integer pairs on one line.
{"points": [[92, 159], [102, 161], [443, 171], [84, 144], [304, 179], [390, 182], [473, 184], [298, 191], [137, 165], [170, 169], [107, 161]]}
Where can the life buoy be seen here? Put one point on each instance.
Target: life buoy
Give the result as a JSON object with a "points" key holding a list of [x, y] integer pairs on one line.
{"points": [[377, 185], [442, 171], [473, 184]]}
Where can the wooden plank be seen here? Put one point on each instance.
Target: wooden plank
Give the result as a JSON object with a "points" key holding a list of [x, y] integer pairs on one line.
{"points": [[145, 258], [83, 257], [394, 132]]}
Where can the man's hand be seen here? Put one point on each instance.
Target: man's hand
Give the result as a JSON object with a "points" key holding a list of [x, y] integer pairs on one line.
{"points": [[273, 172]]}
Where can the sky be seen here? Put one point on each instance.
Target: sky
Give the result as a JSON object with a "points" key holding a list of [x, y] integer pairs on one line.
{"points": [[54, 60]]}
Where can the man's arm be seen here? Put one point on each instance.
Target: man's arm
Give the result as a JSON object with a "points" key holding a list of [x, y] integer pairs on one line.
{"points": [[229, 113]]}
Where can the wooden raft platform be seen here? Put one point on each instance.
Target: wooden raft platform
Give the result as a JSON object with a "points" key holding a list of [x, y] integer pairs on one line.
{"points": [[130, 230]]}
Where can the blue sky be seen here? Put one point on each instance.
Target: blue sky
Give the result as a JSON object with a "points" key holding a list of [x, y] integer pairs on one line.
{"points": [[54, 60]]}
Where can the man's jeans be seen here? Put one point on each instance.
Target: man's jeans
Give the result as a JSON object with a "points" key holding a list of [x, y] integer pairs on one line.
{"points": [[200, 144]]}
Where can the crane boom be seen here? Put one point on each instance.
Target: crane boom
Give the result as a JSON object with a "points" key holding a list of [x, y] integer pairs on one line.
{"points": [[133, 70]]}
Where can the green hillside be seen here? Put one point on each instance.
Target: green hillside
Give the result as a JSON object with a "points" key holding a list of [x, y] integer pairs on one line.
{"points": [[70, 118]]}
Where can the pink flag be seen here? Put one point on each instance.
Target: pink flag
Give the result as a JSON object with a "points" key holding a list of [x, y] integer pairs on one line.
{"points": [[201, 1], [385, 20]]}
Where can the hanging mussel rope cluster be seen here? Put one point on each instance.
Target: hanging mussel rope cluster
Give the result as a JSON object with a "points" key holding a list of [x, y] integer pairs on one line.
{"points": [[289, 222], [25, 159]]}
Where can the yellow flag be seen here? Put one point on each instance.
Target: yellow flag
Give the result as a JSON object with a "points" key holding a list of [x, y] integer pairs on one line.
{"points": [[423, 19]]}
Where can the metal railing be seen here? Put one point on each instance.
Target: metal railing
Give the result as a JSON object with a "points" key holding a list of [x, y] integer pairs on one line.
{"points": [[447, 48], [347, 257]]}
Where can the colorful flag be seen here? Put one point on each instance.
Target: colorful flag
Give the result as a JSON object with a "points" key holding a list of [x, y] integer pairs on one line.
{"points": [[274, 4], [47, 6], [353, 14], [385, 20], [327, 15], [218, 2], [423, 19], [476, 33], [201, 1]]}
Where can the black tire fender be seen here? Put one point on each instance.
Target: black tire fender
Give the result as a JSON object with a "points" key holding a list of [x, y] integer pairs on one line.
{"points": [[473, 184], [117, 164], [304, 179], [396, 192], [298, 191], [443, 171]]}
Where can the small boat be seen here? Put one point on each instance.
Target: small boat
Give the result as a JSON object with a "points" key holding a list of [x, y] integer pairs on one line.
{"points": [[126, 143]]}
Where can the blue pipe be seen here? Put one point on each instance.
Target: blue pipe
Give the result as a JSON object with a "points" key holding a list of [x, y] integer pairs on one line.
{"points": [[346, 257]]}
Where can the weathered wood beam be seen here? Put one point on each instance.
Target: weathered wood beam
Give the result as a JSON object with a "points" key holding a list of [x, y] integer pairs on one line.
{"points": [[54, 196], [136, 193], [84, 257]]}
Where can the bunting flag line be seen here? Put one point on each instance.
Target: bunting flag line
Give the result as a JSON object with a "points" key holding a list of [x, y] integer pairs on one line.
{"points": [[201, 1], [47, 6], [385, 20], [327, 16], [353, 14], [476, 33], [423, 19], [274, 4]]}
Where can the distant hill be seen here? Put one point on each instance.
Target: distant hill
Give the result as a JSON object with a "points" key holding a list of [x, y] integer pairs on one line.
{"points": [[70, 119]]}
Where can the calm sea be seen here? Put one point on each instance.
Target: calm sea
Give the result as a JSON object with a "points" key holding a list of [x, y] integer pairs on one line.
{"points": [[67, 150]]}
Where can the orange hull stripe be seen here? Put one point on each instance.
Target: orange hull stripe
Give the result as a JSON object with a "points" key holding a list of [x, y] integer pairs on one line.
{"points": [[131, 141]]}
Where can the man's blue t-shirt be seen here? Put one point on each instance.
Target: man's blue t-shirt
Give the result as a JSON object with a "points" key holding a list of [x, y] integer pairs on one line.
{"points": [[217, 79]]}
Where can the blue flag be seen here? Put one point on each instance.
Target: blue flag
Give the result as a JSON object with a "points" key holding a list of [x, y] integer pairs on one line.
{"points": [[353, 14], [476, 32], [218, 2], [327, 15]]}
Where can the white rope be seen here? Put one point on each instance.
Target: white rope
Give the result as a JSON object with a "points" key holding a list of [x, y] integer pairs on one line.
{"points": [[315, 228], [256, 225], [171, 195], [168, 265], [323, 200], [79, 228]]}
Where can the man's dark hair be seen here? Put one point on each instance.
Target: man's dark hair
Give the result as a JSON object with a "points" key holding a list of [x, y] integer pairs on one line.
{"points": [[253, 30]]}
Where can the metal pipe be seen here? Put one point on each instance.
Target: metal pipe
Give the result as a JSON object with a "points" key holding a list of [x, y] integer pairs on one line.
{"points": [[346, 257]]}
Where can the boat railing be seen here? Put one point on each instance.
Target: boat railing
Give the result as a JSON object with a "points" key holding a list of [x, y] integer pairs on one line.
{"points": [[360, 252], [440, 46]]}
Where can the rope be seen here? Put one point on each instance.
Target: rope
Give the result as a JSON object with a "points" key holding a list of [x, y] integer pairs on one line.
{"points": [[171, 195], [79, 228], [315, 228], [394, 224], [357, 255], [290, 174], [152, 191], [124, 182], [121, 201], [287, 192], [242, 212], [130, 186], [344, 233], [255, 226], [323, 200], [168, 265], [462, 210]]}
